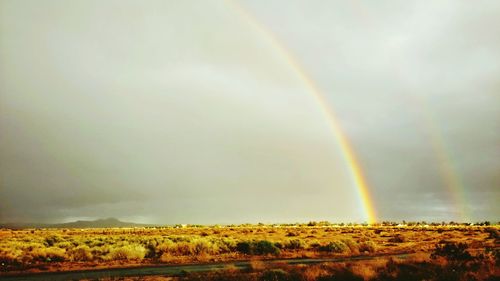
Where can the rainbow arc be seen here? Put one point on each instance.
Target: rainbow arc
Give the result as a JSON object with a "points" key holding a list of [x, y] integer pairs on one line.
{"points": [[334, 126]]}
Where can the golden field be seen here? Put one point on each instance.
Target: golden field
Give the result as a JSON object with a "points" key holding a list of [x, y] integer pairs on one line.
{"points": [[34, 250]]}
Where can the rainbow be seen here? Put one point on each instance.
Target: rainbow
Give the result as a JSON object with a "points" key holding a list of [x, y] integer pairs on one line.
{"points": [[451, 179], [334, 126]]}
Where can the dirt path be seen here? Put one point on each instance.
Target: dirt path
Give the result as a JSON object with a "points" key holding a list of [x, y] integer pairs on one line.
{"points": [[175, 270]]}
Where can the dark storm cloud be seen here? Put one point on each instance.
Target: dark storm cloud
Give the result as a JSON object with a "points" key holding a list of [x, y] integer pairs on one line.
{"points": [[185, 113]]}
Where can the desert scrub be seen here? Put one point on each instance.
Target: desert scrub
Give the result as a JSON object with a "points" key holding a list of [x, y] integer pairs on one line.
{"points": [[80, 253], [452, 251], [262, 247], [183, 249], [226, 245], [32, 248], [334, 247], [398, 238], [49, 254], [294, 244], [9, 256], [204, 246], [352, 245], [51, 240], [367, 247], [127, 252], [166, 246]]}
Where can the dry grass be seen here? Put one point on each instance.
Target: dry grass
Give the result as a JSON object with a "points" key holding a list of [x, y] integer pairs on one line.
{"points": [[63, 249]]}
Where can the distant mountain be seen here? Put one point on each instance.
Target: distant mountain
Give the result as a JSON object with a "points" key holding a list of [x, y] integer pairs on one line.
{"points": [[100, 223]]}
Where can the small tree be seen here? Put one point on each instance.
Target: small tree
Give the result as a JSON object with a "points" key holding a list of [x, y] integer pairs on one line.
{"points": [[452, 251]]}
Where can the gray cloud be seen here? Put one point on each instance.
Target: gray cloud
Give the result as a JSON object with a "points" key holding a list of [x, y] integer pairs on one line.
{"points": [[183, 112]]}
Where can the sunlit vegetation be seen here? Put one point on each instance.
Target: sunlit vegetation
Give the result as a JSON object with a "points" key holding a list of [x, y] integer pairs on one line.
{"points": [[450, 261], [63, 249]]}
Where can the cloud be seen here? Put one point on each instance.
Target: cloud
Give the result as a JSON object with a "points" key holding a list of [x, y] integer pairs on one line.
{"points": [[185, 113]]}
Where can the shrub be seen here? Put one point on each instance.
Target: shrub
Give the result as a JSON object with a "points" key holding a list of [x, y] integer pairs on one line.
{"points": [[244, 247], [166, 246], [64, 245], [262, 247], [367, 246], [452, 251], [351, 244], [294, 244], [151, 250], [127, 252], [226, 245], [166, 257], [493, 233], [275, 275], [80, 253], [49, 254], [9, 256], [344, 275], [314, 244], [398, 238], [183, 248], [334, 247], [204, 246], [51, 240]]}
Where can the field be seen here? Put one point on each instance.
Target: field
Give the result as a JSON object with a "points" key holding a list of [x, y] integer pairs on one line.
{"points": [[470, 251]]}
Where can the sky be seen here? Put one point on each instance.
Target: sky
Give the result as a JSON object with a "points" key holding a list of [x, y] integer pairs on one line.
{"points": [[192, 112]]}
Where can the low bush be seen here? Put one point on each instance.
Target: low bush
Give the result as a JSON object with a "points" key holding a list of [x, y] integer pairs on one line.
{"points": [[204, 246], [183, 249], [366, 247], [262, 247], [334, 247], [80, 253], [51, 240], [294, 244], [452, 251], [275, 275], [351, 244], [49, 254], [127, 252], [244, 247], [265, 247], [493, 233], [398, 238]]}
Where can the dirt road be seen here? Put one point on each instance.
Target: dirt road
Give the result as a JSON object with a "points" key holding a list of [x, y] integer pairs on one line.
{"points": [[175, 270]]}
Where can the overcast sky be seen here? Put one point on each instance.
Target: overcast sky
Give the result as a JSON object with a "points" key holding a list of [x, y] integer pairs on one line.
{"points": [[186, 112]]}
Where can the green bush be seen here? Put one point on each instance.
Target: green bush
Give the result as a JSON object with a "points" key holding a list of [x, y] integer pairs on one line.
{"points": [[244, 247], [226, 245], [262, 247], [334, 247], [294, 244], [452, 251]]}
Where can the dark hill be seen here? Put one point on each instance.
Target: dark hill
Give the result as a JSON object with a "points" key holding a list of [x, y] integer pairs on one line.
{"points": [[100, 223]]}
